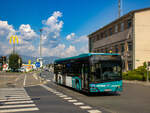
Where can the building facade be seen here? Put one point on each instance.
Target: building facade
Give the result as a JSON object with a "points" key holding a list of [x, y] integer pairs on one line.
{"points": [[129, 35]]}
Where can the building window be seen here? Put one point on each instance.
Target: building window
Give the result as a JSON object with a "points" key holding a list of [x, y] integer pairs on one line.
{"points": [[130, 66], [130, 47], [122, 48], [110, 31], [122, 26], [102, 35], [93, 39], [116, 28], [105, 33], [129, 22], [116, 49], [97, 37], [106, 50]]}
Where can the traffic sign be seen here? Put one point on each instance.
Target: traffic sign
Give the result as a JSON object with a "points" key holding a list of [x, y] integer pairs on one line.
{"points": [[37, 64], [5, 66]]}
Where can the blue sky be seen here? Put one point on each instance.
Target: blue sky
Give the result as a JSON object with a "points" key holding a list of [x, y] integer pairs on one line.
{"points": [[74, 19]]}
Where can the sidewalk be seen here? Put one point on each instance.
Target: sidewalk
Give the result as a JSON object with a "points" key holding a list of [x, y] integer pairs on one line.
{"points": [[144, 83]]}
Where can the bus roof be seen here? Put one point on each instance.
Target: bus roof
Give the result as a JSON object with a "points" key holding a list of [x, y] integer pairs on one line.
{"points": [[83, 55]]}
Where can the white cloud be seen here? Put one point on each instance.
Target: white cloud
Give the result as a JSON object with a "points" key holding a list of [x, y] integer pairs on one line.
{"points": [[81, 39], [52, 44], [26, 32], [6, 30], [70, 36], [53, 25], [5, 49]]}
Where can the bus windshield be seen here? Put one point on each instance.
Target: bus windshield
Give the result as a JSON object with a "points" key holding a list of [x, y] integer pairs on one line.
{"points": [[103, 71]]}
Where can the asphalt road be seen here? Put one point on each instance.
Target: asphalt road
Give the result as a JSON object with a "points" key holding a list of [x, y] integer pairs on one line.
{"points": [[135, 98], [48, 102], [53, 98]]}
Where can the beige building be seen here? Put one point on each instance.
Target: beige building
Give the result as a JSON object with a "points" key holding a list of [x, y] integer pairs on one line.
{"points": [[129, 35]]}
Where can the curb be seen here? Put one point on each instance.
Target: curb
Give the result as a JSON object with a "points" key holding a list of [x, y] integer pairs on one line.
{"points": [[136, 82]]}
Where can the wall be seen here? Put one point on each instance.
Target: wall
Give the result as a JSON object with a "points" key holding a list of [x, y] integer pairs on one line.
{"points": [[142, 37]]}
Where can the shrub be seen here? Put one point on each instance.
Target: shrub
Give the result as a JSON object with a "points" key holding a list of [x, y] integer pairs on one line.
{"points": [[137, 74]]}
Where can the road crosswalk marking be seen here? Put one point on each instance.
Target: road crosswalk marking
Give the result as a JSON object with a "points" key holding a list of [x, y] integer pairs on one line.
{"points": [[18, 110], [18, 102], [78, 103], [15, 100], [94, 111], [70, 99], [85, 107]]}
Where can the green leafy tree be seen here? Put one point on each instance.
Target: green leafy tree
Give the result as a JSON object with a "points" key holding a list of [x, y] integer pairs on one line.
{"points": [[15, 61], [142, 70]]}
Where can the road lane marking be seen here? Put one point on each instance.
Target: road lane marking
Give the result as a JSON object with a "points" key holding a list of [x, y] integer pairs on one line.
{"points": [[15, 99], [56, 92], [67, 98], [18, 102], [59, 94], [16, 106], [63, 96], [72, 100], [78, 103], [24, 82], [35, 77], [18, 95], [19, 110], [85, 107], [94, 111]]}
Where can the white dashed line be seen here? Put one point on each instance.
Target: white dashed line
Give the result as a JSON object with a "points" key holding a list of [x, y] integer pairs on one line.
{"points": [[94, 111], [67, 98], [78, 103], [85, 107], [63, 96], [72, 100], [59, 94], [56, 92]]}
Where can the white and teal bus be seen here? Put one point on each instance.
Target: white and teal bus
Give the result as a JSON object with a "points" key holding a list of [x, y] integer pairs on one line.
{"points": [[91, 72]]}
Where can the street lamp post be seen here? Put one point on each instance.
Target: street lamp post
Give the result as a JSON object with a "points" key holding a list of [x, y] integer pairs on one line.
{"points": [[41, 63]]}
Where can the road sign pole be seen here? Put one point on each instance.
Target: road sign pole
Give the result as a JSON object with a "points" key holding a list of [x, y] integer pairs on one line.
{"points": [[13, 47]]}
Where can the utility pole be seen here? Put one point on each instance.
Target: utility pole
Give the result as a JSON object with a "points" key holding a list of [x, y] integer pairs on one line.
{"points": [[119, 8], [40, 59], [41, 43]]}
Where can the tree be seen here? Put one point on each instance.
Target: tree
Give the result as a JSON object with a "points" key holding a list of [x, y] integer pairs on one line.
{"points": [[15, 61]]}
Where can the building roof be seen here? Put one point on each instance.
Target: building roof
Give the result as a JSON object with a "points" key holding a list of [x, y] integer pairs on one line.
{"points": [[84, 55], [130, 13]]}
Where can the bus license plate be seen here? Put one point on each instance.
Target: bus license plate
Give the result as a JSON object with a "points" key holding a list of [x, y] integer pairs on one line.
{"points": [[107, 90]]}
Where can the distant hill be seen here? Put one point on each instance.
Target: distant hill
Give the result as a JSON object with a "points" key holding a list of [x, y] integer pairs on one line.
{"points": [[46, 60]]}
